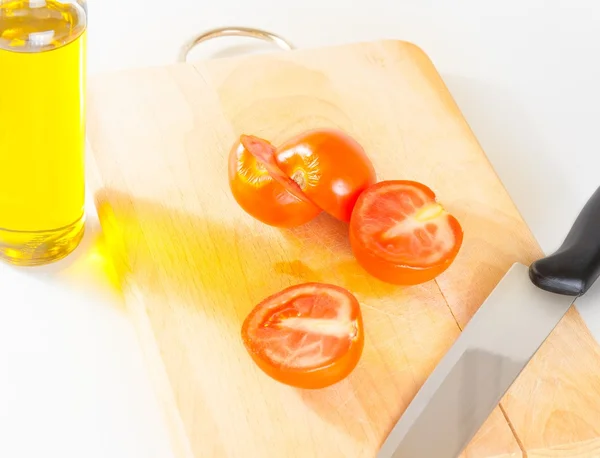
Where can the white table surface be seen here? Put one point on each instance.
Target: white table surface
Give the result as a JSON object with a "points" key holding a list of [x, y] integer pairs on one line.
{"points": [[525, 73]]}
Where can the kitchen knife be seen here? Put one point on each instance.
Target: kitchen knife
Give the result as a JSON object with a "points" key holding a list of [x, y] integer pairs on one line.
{"points": [[495, 346]]}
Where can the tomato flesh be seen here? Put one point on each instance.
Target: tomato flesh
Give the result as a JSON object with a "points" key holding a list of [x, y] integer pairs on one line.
{"points": [[308, 336], [400, 234]]}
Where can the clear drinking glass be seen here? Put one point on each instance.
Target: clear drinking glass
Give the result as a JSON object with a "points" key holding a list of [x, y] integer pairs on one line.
{"points": [[42, 129]]}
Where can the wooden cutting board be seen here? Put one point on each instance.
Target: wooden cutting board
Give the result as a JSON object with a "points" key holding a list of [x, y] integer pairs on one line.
{"points": [[193, 263]]}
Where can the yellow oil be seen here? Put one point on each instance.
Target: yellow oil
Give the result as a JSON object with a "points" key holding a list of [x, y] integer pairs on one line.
{"points": [[42, 129]]}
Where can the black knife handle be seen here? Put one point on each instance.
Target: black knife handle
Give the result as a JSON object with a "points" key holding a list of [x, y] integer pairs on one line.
{"points": [[575, 266]]}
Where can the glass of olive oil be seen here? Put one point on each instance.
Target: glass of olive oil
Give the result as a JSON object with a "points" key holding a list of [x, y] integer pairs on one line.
{"points": [[42, 129]]}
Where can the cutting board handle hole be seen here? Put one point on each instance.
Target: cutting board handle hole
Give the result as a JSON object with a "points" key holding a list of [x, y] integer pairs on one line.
{"points": [[221, 32]]}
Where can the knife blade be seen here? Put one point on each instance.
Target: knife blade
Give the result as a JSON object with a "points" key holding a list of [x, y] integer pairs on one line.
{"points": [[496, 345]]}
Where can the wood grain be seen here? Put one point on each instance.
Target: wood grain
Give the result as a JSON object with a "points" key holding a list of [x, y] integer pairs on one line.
{"points": [[194, 264], [554, 403]]}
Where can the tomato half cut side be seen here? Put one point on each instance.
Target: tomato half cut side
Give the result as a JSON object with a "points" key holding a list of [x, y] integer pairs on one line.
{"points": [[259, 189], [400, 234], [308, 336]]}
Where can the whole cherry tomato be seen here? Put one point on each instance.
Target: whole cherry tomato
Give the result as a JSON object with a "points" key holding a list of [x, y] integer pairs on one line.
{"points": [[400, 234], [308, 336]]}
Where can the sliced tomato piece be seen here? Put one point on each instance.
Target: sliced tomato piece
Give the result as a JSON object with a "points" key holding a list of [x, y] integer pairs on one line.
{"points": [[324, 167], [331, 168], [400, 234], [308, 336], [262, 190]]}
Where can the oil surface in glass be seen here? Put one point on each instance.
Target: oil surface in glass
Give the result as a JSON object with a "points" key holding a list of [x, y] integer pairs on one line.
{"points": [[42, 129]]}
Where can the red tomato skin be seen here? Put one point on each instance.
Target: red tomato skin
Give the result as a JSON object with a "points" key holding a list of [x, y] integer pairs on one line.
{"points": [[271, 203], [401, 274], [315, 379], [336, 169]]}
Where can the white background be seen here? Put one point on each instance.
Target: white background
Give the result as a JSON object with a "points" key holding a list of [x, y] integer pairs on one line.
{"points": [[526, 74]]}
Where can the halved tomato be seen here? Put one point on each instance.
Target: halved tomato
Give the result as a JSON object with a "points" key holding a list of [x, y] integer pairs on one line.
{"points": [[308, 336], [321, 169], [400, 234], [331, 168], [262, 190]]}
